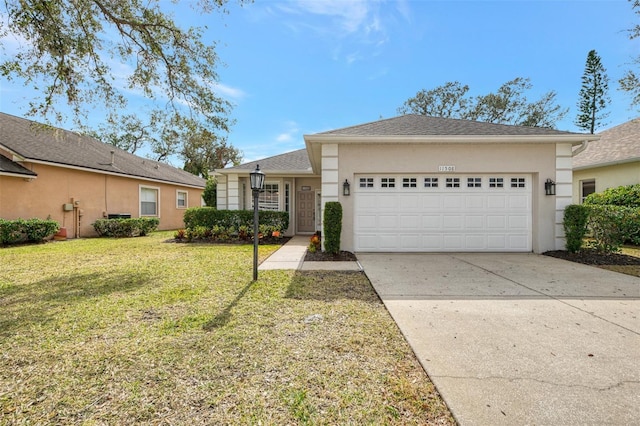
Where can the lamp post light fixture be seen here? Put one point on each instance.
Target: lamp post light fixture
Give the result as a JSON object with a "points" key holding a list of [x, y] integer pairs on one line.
{"points": [[257, 183], [346, 188], [550, 187]]}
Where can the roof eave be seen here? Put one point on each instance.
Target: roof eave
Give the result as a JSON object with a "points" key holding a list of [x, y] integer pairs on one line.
{"points": [[245, 172], [608, 163]]}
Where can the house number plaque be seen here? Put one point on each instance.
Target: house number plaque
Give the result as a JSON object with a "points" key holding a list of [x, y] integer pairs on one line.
{"points": [[446, 168]]}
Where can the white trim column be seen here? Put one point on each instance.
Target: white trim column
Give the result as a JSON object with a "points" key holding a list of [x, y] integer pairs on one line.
{"points": [[330, 182], [221, 192], [233, 194], [564, 190]]}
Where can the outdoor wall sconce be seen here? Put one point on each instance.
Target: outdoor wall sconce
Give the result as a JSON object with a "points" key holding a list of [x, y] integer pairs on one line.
{"points": [[550, 187], [346, 188]]}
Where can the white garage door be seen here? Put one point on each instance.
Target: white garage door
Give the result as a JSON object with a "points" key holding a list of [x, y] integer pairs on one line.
{"points": [[414, 213]]}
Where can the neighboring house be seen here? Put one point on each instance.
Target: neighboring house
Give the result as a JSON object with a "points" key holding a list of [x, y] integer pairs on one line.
{"points": [[75, 179], [612, 161], [420, 184]]}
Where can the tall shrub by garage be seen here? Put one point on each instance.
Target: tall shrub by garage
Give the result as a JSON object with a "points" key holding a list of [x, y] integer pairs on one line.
{"points": [[576, 217], [332, 226]]}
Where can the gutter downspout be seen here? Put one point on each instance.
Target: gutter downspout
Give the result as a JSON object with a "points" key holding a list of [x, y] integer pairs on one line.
{"points": [[581, 148]]}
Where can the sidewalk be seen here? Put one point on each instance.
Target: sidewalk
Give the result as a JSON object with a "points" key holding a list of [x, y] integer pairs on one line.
{"points": [[291, 256]]}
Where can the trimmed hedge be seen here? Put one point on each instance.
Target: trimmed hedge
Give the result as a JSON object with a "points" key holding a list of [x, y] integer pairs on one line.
{"points": [[627, 196], [26, 231], [227, 225], [576, 217], [332, 226], [122, 228]]}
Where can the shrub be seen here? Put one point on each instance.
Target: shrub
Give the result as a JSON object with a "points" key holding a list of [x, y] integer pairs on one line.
{"points": [[31, 230], [315, 243], [627, 196], [122, 228], [236, 222], [575, 226], [611, 226], [332, 226]]}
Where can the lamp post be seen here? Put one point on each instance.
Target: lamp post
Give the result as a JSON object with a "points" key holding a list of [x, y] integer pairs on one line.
{"points": [[257, 183]]}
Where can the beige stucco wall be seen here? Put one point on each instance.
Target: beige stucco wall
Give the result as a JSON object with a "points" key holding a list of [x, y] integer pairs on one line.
{"points": [[539, 160], [606, 177], [97, 195]]}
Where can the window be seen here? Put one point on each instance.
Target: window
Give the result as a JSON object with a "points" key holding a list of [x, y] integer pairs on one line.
{"points": [[388, 182], [496, 182], [148, 201], [269, 198], [474, 182], [287, 196], [430, 182], [366, 182], [452, 183], [517, 182], [409, 182], [587, 187], [181, 199]]}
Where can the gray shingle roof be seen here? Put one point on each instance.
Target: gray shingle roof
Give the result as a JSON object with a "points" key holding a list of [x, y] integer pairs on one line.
{"points": [[290, 161], [422, 125], [34, 141], [618, 144], [8, 166]]}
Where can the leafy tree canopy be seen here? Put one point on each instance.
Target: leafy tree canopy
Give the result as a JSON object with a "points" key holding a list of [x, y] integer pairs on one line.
{"points": [[88, 54], [508, 105], [630, 81]]}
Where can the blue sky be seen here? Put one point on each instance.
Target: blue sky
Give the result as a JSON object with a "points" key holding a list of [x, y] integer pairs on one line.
{"points": [[300, 67]]}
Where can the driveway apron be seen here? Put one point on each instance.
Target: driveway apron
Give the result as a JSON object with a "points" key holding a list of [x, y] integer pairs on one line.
{"points": [[518, 338]]}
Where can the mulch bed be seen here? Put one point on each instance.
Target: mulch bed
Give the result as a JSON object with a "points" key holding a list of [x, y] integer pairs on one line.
{"points": [[592, 257], [320, 256]]}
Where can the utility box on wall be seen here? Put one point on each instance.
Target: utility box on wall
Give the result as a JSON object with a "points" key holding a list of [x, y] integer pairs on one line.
{"points": [[67, 207]]}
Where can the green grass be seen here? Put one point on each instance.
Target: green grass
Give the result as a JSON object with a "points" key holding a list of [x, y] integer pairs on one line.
{"points": [[105, 331]]}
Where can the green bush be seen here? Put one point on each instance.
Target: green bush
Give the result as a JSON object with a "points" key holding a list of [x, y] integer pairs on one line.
{"points": [[332, 226], [576, 217], [626, 196], [30, 230], [611, 226], [123, 228], [235, 223]]}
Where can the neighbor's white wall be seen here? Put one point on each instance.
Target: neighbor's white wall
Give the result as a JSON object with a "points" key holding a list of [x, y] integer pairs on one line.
{"points": [[607, 177]]}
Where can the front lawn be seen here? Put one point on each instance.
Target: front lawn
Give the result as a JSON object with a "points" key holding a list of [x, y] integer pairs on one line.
{"points": [[106, 331]]}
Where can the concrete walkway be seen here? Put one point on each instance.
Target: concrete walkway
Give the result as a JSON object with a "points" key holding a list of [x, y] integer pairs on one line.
{"points": [[291, 256], [515, 339]]}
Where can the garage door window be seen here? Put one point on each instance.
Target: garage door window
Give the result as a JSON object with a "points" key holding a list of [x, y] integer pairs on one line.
{"points": [[496, 182], [474, 182], [453, 182], [409, 182], [431, 182], [366, 182], [518, 182], [388, 182]]}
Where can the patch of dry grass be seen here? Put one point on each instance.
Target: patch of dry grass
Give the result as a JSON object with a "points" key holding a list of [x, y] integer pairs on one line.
{"points": [[105, 331]]}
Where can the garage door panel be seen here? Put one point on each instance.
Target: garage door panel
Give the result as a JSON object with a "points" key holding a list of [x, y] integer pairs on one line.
{"points": [[436, 218]]}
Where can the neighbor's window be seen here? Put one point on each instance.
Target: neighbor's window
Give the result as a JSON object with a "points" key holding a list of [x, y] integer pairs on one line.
{"points": [[587, 187], [149, 201], [181, 199], [366, 182], [269, 198]]}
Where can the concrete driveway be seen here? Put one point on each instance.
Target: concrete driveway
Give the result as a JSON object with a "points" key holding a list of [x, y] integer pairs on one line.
{"points": [[518, 338]]}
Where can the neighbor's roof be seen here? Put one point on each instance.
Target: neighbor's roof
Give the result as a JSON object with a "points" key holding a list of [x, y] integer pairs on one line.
{"points": [[620, 144], [290, 162], [34, 142], [422, 125]]}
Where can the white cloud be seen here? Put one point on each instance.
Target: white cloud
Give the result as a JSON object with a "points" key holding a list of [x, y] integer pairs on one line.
{"points": [[289, 134]]}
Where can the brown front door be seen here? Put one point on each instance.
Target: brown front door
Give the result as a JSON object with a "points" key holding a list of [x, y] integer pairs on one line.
{"points": [[305, 208]]}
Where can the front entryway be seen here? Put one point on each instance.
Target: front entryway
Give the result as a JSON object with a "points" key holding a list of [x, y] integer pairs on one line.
{"points": [[305, 218]]}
